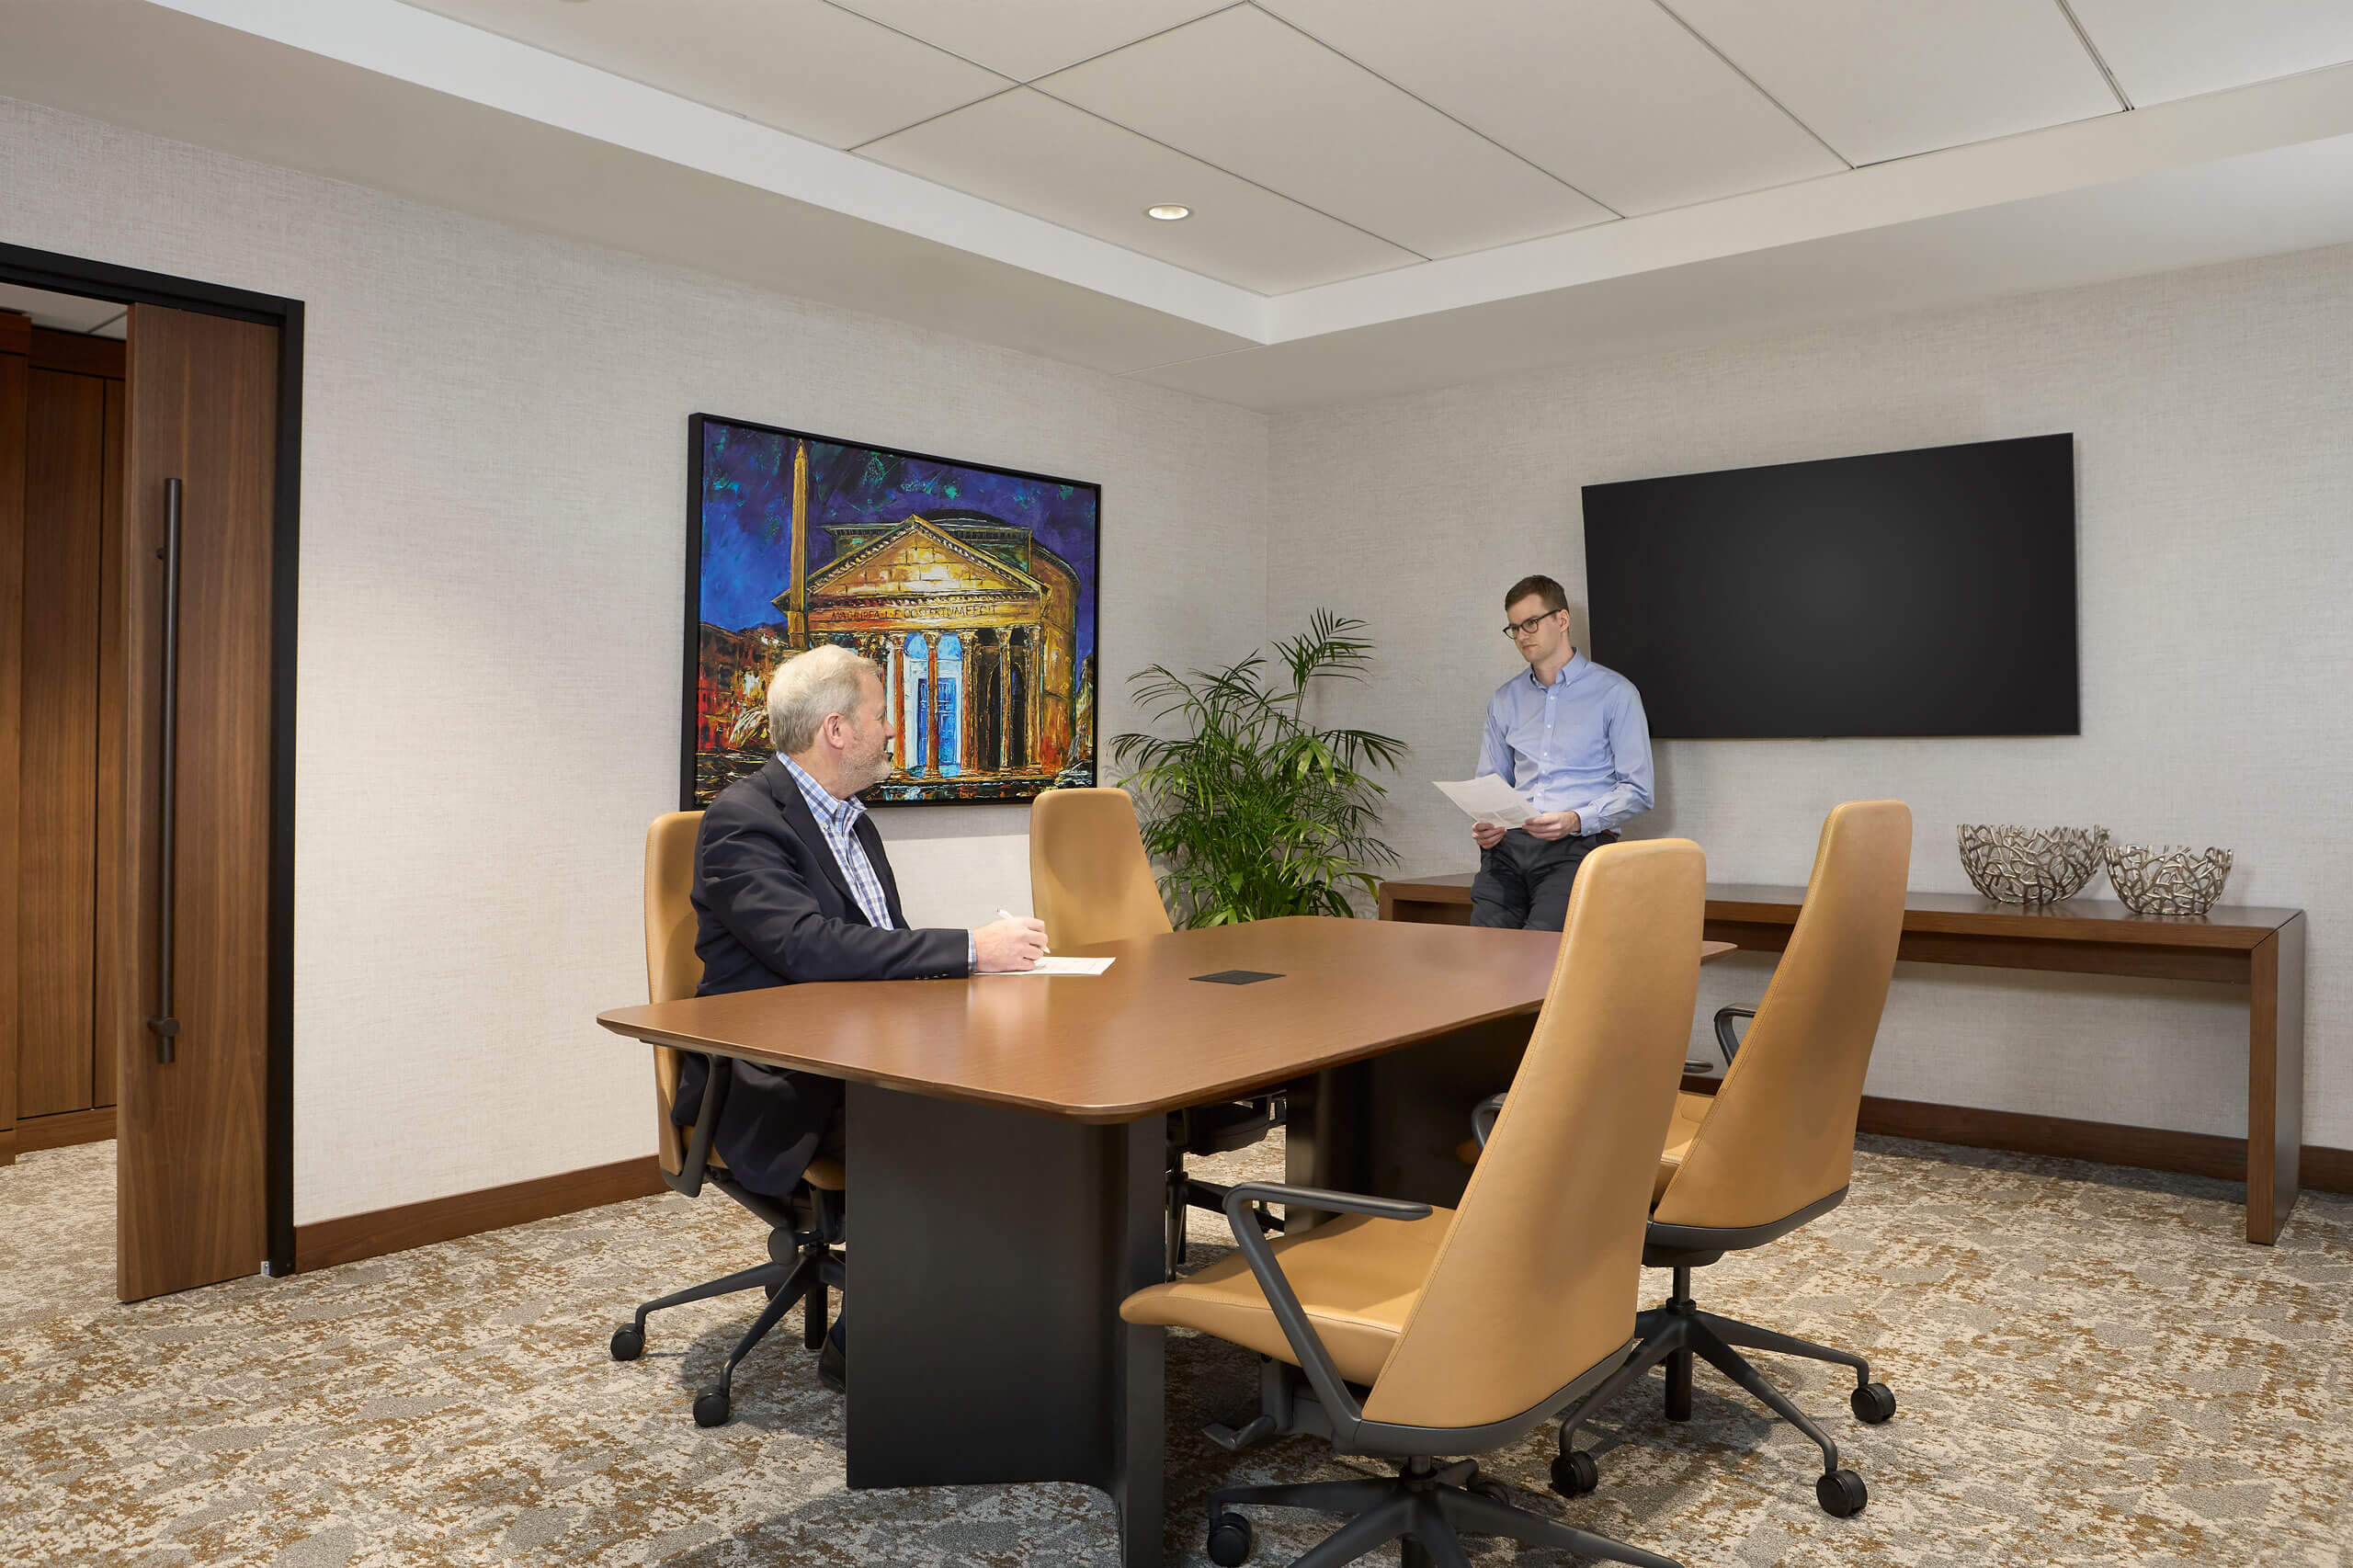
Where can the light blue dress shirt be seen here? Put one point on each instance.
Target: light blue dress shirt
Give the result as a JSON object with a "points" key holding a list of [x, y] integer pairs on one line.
{"points": [[837, 820], [1580, 744]]}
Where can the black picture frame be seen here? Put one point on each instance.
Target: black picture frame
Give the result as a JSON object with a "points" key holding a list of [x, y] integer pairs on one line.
{"points": [[996, 786]]}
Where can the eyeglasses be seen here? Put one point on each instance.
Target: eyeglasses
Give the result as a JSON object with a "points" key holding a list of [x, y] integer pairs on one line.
{"points": [[1519, 629]]}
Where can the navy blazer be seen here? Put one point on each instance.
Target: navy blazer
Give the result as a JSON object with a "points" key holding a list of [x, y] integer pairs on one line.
{"points": [[772, 907]]}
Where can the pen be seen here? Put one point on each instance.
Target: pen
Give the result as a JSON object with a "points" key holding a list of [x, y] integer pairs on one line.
{"points": [[1008, 914]]}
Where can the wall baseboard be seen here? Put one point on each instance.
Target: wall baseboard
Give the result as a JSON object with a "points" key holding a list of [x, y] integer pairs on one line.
{"points": [[65, 1130], [356, 1236], [2321, 1169]]}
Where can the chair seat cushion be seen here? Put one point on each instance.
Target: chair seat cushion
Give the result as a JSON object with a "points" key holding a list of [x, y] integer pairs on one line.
{"points": [[825, 1174], [1689, 1111], [1357, 1276]]}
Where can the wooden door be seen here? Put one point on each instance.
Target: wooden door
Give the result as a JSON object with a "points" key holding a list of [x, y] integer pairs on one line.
{"points": [[15, 342], [192, 1165]]}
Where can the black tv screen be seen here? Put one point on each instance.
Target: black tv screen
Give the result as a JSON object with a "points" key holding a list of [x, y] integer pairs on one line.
{"points": [[1924, 593]]}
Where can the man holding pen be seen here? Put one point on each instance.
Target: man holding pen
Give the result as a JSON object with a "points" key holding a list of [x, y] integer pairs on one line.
{"points": [[791, 885], [1569, 737]]}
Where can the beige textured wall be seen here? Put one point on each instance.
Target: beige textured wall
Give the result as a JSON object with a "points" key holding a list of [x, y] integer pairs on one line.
{"points": [[494, 477], [2213, 412]]}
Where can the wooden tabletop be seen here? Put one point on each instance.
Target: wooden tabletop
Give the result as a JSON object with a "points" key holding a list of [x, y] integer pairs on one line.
{"points": [[2226, 926], [1142, 1038]]}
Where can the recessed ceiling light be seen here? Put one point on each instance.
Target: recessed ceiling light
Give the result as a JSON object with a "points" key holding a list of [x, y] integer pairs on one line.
{"points": [[1168, 214]]}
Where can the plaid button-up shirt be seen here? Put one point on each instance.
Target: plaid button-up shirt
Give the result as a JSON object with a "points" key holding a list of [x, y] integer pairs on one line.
{"points": [[837, 820]]}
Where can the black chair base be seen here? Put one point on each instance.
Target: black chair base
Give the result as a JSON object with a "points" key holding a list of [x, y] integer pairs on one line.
{"points": [[1201, 1131], [1678, 1334], [803, 1267], [1426, 1507]]}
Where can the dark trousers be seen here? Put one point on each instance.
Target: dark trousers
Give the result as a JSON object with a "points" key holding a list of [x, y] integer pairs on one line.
{"points": [[1524, 882]]}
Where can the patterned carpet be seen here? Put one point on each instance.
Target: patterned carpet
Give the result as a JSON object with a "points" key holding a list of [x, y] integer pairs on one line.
{"points": [[2092, 1370]]}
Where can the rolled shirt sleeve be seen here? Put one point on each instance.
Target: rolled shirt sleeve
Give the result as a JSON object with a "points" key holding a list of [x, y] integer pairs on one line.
{"points": [[1626, 731]]}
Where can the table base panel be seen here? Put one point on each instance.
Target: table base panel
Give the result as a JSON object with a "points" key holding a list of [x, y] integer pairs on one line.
{"points": [[989, 1252]]}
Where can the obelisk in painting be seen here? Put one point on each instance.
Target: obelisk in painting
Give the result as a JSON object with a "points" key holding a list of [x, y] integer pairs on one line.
{"points": [[795, 609]]}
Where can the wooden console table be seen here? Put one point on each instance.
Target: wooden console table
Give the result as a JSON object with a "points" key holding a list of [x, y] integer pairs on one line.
{"points": [[2261, 950]]}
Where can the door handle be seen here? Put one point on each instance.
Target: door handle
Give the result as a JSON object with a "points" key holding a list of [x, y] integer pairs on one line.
{"points": [[167, 1027]]}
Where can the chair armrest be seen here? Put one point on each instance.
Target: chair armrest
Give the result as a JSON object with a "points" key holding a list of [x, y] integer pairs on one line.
{"points": [[719, 1077], [1315, 1358], [1483, 1117], [1727, 1042]]}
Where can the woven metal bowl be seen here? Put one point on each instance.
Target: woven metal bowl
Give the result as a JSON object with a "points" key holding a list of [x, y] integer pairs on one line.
{"points": [[2029, 865], [2168, 879]]}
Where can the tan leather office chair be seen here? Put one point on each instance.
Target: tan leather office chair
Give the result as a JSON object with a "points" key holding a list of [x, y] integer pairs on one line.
{"points": [[803, 1230], [1774, 1147], [1468, 1328], [1091, 881]]}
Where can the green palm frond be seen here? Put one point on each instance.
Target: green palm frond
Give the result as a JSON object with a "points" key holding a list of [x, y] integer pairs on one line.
{"points": [[1251, 810]]}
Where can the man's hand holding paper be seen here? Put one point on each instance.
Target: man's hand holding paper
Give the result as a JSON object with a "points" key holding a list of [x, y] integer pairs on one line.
{"points": [[1487, 799]]}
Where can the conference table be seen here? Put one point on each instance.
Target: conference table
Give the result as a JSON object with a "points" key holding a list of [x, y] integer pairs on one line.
{"points": [[1006, 1144]]}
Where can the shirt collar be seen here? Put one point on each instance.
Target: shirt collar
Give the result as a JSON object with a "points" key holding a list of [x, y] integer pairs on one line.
{"points": [[1570, 673], [822, 801]]}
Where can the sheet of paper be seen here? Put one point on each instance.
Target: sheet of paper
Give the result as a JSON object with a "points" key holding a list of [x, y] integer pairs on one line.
{"points": [[1050, 965], [1488, 799]]}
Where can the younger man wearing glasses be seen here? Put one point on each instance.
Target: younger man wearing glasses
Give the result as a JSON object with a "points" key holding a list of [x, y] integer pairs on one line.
{"points": [[1570, 736]]}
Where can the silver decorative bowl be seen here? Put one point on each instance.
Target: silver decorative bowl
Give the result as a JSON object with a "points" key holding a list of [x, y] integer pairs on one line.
{"points": [[2029, 865], [2170, 879]]}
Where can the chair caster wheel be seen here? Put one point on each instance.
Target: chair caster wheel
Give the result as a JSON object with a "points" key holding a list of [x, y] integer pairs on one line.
{"points": [[1495, 1490], [1841, 1493], [629, 1343], [1872, 1403], [1230, 1540], [1575, 1474], [713, 1409]]}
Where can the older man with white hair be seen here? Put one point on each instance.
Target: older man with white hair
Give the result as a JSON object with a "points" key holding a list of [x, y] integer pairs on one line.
{"points": [[791, 884]]}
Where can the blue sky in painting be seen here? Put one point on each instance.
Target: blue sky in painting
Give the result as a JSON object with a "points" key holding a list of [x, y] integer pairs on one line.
{"points": [[747, 514]]}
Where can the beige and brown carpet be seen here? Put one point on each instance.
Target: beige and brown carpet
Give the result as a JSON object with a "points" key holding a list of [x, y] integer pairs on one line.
{"points": [[2091, 1368]]}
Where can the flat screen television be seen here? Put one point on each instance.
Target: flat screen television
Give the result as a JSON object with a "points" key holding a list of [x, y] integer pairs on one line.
{"points": [[1922, 593]]}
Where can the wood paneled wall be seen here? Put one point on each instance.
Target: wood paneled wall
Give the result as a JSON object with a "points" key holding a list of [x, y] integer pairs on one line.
{"points": [[15, 345], [66, 695]]}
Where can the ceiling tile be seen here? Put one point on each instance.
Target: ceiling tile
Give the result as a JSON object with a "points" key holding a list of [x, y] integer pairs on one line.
{"points": [[1260, 98], [64, 313], [799, 66], [1026, 38], [1613, 96], [2162, 49], [1879, 79], [1042, 156]]}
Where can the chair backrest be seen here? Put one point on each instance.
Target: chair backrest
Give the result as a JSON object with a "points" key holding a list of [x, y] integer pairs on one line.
{"points": [[1089, 878], [1780, 1134], [1537, 1279], [672, 968]]}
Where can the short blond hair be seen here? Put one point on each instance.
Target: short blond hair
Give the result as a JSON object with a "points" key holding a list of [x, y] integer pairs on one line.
{"points": [[810, 688]]}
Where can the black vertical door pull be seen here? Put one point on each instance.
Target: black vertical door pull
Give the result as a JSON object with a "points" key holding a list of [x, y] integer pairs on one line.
{"points": [[167, 1027]]}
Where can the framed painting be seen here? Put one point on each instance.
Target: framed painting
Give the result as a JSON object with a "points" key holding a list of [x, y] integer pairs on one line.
{"points": [[972, 587]]}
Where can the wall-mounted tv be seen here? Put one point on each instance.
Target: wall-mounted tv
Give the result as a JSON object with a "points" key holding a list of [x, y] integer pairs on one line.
{"points": [[1922, 593]]}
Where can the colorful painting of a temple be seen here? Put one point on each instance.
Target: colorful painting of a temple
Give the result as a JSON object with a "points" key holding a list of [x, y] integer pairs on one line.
{"points": [[970, 587]]}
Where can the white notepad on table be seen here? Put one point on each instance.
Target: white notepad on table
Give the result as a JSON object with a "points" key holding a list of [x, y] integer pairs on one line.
{"points": [[1069, 966]]}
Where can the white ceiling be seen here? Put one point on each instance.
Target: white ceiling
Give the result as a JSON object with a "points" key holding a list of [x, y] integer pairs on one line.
{"points": [[1375, 183], [2162, 49], [1617, 98], [1436, 127], [1880, 79], [66, 313]]}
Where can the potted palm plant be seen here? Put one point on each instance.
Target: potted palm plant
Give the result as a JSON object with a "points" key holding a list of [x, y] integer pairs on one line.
{"points": [[1252, 810]]}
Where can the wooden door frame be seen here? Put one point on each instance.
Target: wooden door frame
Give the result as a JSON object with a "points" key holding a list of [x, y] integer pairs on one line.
{"points": [[129, 286]]}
